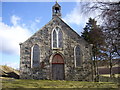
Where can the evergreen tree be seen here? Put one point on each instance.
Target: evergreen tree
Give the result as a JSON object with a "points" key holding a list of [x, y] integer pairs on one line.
{"points": [[93, 35]]}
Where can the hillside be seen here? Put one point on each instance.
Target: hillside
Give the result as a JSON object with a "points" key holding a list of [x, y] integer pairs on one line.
{"points": [[104, 66], [106, 63], [6, 71]]}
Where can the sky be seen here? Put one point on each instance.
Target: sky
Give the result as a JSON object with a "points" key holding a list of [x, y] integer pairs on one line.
{"points": [[20, 20]]}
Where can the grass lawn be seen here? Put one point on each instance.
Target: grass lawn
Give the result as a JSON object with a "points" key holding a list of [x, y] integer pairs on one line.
{"points": [[19, 83]]}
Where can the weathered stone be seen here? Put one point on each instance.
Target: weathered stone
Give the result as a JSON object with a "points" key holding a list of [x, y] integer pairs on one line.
{"points": [[43, 38]]}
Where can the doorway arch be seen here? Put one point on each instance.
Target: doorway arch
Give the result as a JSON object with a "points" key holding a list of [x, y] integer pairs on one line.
{"points": [[58, 67]]}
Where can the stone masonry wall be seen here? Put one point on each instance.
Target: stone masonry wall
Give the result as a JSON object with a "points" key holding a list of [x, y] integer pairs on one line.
{"points": [[43, 39]]}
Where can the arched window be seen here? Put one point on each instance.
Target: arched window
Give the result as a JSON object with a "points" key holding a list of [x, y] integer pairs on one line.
{"points": [[57, 38], [77, 56], [35, 56], [54, 38], [60, 38]]}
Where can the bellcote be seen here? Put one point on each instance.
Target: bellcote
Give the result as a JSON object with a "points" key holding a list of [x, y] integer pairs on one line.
{"points": [[56, 10]]}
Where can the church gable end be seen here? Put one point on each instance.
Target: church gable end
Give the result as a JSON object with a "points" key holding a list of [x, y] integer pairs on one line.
{"points": [[55, 49]]}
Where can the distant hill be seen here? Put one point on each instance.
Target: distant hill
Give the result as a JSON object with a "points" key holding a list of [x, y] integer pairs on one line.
{"points": [[104, 66], [6, 71], [106, 63], [115, 70]]}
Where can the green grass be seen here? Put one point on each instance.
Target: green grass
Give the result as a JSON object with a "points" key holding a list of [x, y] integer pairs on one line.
{"points": [[19, 83]]}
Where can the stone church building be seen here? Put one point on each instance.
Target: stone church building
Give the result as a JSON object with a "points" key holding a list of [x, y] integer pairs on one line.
{"points": [[56, 52]]}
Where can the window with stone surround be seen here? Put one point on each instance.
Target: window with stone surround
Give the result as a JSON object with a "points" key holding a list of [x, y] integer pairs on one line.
{"points": [[35, 60], [54, 38], [57, 38], [77, 55], [60, 39]]}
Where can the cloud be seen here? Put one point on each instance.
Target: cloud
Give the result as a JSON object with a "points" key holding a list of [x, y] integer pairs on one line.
{"points": [[77, 17], [34, 24], [11, 36], [15, 20], [74, 17], [37, 20], [0, 19]]}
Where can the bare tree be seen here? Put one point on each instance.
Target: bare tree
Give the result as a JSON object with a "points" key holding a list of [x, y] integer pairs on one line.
{"points": [[109, 14]]}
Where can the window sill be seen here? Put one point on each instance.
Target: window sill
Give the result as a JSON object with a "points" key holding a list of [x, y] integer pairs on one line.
{"points": [[78, 67], [57, 48]]}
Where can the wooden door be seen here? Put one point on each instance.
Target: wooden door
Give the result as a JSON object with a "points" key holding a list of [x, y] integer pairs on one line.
{"points": [[57, 67]]}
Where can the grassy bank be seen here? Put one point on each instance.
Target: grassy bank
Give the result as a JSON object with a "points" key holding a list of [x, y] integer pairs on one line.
{"points": [[18, 83]]}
